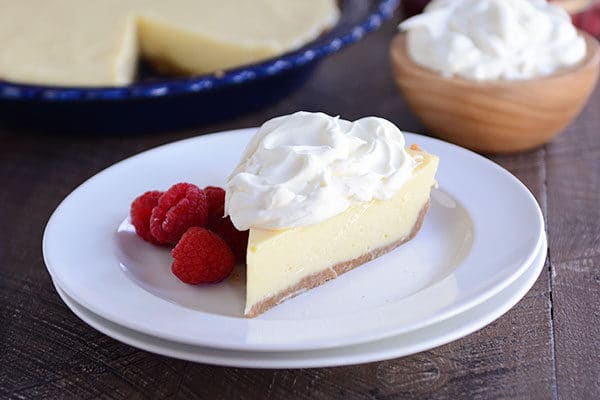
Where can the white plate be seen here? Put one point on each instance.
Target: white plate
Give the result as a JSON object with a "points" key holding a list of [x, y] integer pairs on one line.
{"points": [[482, 232], [393, 347]]}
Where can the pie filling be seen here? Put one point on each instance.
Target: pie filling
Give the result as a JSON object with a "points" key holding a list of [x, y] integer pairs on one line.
{"points": [[284, 263]]}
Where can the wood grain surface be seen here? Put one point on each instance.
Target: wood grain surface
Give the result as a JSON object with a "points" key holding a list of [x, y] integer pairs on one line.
{"points": [[546, 347]]}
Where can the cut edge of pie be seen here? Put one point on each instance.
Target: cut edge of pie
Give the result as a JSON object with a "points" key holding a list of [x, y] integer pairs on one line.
{"points": [[338, 269]]}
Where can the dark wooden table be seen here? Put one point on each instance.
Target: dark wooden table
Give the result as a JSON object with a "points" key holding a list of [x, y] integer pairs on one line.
{"points": [[547, 346]]}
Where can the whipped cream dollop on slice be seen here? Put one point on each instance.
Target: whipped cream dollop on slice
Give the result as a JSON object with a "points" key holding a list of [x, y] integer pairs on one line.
{"points": [[493, 39], [303, 168]]}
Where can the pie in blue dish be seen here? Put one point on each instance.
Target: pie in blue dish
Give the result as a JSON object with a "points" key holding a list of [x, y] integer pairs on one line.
{"points": [[156, 102]]}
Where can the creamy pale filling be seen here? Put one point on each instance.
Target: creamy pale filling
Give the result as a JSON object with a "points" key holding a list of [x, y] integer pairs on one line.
{"points": [[194, 53], [74, 42], [279, 259]]}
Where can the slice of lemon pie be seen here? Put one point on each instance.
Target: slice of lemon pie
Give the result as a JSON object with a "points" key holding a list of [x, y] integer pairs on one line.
{"points": [[322, 195]]}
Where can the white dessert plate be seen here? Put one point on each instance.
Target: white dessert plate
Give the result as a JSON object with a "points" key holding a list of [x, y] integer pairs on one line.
{"points": [[483, 231], [397, 346]]}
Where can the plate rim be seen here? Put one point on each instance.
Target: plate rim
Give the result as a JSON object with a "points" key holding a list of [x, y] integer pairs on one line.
{"points": [[395, 351], [298, 346]]}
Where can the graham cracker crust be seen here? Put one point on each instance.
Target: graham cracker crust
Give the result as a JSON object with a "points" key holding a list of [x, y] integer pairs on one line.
{"points": [[320, 278]]}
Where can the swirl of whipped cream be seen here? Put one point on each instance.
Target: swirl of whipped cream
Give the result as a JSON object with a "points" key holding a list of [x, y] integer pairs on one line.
{"points": [[493, 39], [303, 168]]}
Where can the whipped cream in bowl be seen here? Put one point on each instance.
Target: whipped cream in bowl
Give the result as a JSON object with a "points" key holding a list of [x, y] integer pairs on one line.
{"points": [[303, 168], [493, 39], [495, 76]]}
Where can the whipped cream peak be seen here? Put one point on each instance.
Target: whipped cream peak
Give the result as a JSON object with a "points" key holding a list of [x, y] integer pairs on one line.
{"points": [[493, 39], [303, 168]]}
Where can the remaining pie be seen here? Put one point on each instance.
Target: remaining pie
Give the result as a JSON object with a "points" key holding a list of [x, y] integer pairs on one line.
{"points": [[75, 42], [322, 196]]}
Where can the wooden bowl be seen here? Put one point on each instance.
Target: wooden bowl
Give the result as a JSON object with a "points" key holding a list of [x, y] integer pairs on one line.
{"points": [[495, 116]]}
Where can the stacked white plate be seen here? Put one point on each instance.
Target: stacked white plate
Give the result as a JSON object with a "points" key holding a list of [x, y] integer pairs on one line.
{"points": [[480, 250]]}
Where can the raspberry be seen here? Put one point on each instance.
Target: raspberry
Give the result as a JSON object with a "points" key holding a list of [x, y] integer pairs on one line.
{"points": [[179, 208], [237, 240], [201, 256], [216, 208], [141, 210], [216, 199]]}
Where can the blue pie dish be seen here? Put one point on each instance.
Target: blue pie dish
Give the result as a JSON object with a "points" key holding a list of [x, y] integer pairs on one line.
{"points": [[155, 103]]}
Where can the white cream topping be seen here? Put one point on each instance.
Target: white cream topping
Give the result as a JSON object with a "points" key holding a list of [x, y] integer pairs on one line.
{"points": [[493, 39], [303, 168]]}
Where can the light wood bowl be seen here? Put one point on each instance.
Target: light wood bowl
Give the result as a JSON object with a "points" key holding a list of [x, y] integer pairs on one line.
{"points": [[495, 116]]}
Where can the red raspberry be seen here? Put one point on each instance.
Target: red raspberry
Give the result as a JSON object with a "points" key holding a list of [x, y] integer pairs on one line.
{"points": [[141, 210], [216, 199], [201, 256], [179, 208], [237, 240]]}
